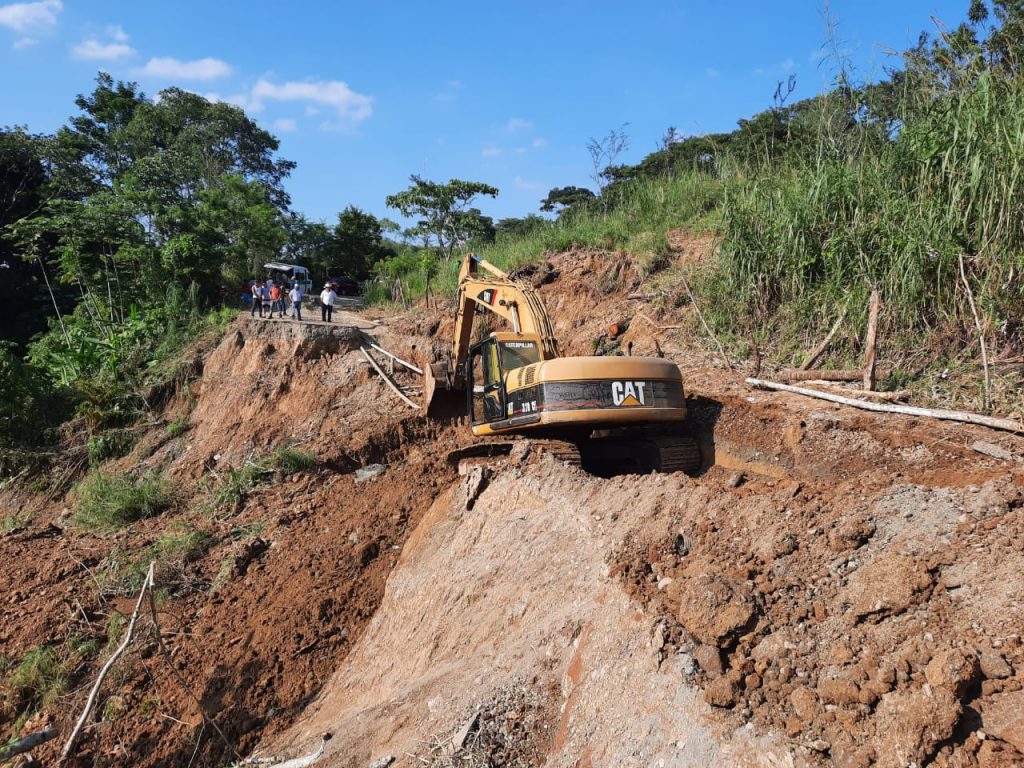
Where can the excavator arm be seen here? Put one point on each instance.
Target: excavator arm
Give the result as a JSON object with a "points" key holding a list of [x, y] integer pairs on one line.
{"points": [[484, 287]]}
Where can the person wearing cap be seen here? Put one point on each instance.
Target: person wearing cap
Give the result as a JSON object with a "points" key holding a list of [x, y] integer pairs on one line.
{"points": [[295, 294], [327, 297]]}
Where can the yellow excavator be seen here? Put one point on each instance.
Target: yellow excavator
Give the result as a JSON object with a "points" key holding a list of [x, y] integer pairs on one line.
{"points": [[611, 414]]}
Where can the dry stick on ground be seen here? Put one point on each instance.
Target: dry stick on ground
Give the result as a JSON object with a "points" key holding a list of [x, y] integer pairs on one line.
{"points": [[819, 375], [700, 316], [819, 350], [981, 332], [91, 701], [26, 743], [295, 762], [869, 353], [387, 379], [900, 394], [1008, 425], [397, 359]]}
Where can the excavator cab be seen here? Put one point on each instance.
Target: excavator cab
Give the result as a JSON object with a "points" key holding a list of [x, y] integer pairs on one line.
{"points": [[486, 395]]}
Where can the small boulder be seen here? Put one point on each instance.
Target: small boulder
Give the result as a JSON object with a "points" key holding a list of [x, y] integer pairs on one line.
{"points": [[709, 659], [714, 608], [994, 666], [953, 670], [805, 704], [838, 690], [912, 724], [1003, 717], [888, 585], [722, 692]]}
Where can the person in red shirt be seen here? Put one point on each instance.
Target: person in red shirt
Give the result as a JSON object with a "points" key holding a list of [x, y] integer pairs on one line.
{"points": [[275, 300]]}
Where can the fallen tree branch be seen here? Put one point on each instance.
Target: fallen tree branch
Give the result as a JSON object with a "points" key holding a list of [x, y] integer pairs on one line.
{"points": [[981, 332], [25, 743], [1008, 425], [397, 359], [700, 316], [387, 379], [295, 762], [819, 350], [69, 746], [899, 394]]}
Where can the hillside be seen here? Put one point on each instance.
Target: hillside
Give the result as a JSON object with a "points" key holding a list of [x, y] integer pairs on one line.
{"points": [[835, 588]]}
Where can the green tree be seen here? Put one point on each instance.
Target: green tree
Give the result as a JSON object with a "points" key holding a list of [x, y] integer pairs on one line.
{"points": [[567, 200], [358, 243], [443, 213]]}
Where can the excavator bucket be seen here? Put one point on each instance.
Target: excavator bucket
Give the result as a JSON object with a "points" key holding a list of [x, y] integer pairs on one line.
{"points": [[441, 400]]}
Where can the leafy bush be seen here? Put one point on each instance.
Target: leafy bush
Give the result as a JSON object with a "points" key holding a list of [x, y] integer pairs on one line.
{"points": [[177, 428], [108, 502], [288, 461]]}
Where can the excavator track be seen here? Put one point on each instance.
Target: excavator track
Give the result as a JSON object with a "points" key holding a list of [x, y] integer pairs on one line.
{"points": [[562, 450], [678, 454]]}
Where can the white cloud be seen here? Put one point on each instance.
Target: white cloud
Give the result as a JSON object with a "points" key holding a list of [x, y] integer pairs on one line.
{"points": [[351, 106], [116, 32], [174, 69], [490, 151], [517, 124], [93, 50], [25, 17], [286, 124], [527, 186], [788, 65], [312, 111], [538, 143], [712, 72], [25, 42]]}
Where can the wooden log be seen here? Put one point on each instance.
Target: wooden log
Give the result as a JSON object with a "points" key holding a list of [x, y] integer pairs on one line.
{"points": [[869, 353], [1008, 425], [397, 359], [387, 380], [820, 375], [25, 743], [819, 350], [640, 296]]}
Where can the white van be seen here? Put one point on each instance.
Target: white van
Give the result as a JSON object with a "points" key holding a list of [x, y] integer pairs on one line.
{"points": [[289, 273]]}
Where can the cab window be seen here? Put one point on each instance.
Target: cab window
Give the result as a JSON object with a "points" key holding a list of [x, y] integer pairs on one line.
{"points": [[486, 396], [516, 354]]}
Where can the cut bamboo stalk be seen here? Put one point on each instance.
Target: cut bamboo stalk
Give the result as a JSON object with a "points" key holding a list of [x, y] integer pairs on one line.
{"points": [[387, 379], [869, 354], [1007, 425], [819, 350], [981, 332], [397, 359]]}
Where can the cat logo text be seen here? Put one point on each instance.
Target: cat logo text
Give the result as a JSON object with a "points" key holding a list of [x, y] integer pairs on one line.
{"points": [[628, 392]]}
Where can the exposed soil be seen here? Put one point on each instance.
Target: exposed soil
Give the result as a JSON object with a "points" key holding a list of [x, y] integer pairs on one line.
{"points": [[837, 588]]}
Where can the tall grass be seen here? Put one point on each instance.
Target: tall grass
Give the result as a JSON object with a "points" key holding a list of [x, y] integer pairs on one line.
{"points": [[803, 238], [108, 502]]}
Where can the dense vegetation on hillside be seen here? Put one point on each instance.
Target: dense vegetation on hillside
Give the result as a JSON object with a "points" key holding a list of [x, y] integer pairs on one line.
{"points": [[124, 232]]}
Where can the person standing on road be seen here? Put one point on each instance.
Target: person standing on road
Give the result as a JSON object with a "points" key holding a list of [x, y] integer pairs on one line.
{"points": [[257, 298], [295, 294], [276, 300], [327, 297]]}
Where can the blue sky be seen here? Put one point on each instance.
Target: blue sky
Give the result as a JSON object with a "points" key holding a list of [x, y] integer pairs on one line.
{"points": [[364, 94]]}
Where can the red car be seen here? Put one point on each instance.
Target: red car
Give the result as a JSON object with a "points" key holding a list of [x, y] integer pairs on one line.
{"points": [[344, 286]]}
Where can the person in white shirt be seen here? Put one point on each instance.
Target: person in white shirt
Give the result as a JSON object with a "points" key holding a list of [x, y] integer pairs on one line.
{"points": [[327, 297], [295, 294]]}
